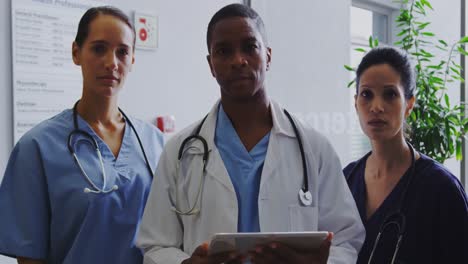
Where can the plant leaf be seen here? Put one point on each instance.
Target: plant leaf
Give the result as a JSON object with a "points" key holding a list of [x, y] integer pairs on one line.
{"points": [[459, 153], [443, 43], [429, 34], [463, 40], [462, 51], [423, 25], [455, 70], [403, 32], [426, 3]]}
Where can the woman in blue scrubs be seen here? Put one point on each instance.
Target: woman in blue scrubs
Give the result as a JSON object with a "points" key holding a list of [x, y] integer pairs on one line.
{"points": [[402, 193], [56, 208]]}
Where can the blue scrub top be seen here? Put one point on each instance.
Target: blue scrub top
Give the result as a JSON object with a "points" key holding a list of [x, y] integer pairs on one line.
{"points": [[244, 169], [45, 214], [436, 210]]}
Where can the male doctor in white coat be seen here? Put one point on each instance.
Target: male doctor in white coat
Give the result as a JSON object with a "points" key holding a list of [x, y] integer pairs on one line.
{"points": [[254, 176]]}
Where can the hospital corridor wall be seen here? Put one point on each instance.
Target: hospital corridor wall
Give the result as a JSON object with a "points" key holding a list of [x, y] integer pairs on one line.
{"points": [[175, 78], [309, 49]]}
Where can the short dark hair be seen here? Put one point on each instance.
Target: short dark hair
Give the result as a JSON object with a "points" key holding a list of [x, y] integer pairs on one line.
{"points": [[398, 59], [235, 10], [93, 13]]}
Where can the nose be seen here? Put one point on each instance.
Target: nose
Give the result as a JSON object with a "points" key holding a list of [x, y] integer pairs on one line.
{"points": [[111, 62], [377, 105], [239, 60]]}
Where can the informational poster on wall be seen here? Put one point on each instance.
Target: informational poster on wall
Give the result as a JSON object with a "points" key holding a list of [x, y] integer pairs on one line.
{"points": [[45, 80]]}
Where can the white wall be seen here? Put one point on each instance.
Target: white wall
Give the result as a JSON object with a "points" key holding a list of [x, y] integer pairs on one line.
{"points": [[176, 78], [6, 114], [6, 99], [309, 49]]}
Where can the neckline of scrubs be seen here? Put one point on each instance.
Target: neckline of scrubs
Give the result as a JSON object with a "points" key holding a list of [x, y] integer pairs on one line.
{"points": [[106, 152], [227, 129], [388, 202]]}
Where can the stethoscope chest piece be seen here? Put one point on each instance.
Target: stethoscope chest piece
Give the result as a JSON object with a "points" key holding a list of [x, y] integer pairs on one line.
{"points": [[305, 197]]}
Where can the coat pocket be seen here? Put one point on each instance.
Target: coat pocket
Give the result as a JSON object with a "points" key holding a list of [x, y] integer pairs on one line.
{"points": [[303, 218]]}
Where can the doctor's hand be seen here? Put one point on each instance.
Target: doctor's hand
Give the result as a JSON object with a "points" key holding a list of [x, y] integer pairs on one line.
{"points": [[201, 256], [279, 253]]}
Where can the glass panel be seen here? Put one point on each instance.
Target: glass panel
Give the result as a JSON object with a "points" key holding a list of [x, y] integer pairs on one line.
{"points": [[380, 25], [365, 23], [361, 23]]}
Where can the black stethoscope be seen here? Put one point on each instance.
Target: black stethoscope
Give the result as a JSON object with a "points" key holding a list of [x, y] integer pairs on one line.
{"points": [[305, 197], [396, 218], [77, 131]]}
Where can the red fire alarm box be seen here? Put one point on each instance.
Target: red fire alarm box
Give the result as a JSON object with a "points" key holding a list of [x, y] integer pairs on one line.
{"points": [[166, 123]]}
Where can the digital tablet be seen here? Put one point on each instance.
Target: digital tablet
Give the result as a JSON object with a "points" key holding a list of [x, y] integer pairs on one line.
{"points": [[243, 242]]}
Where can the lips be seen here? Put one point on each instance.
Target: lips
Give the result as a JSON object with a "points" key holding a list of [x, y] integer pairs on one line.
{"points": [[241, 77], [109, 78], [377, 122]]}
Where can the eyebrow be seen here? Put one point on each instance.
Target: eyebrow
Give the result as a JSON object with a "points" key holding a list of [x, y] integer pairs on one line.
{"points": [[251, 39], [107, 43], [220, 44], [247, 39]]}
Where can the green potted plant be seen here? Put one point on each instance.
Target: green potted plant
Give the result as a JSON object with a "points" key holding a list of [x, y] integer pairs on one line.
{"points": [[437, 127]]}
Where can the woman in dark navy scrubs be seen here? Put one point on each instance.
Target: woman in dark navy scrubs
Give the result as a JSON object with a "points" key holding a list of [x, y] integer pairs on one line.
{"points": [[419, 207]]}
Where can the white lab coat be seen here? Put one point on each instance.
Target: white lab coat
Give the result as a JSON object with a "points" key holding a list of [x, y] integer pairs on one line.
{"points": [[168, 238]]}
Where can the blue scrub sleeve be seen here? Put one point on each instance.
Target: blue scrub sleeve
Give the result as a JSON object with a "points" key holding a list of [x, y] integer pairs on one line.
{"points": [[24, 207]]}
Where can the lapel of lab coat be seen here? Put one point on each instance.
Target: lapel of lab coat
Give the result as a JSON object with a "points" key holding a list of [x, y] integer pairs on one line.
{"points": [[215, 167], [281, 128]]}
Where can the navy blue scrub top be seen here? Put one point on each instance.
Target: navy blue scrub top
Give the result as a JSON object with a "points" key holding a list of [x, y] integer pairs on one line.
{"points": [[436, 210]]}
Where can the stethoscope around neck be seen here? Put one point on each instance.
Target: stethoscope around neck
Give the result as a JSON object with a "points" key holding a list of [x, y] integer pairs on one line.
{"points": [[305, 197], [76, 131], [395, 218]]}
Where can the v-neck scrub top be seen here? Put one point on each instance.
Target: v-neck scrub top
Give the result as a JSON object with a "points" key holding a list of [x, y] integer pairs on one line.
{"points": [[244, 168], [436, 211], [45, 213]]}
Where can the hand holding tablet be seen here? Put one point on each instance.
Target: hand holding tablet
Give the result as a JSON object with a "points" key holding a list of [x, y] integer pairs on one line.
{"points": [[245, 242]]}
